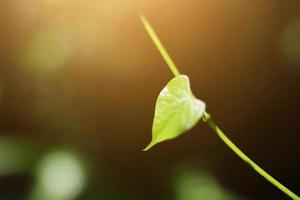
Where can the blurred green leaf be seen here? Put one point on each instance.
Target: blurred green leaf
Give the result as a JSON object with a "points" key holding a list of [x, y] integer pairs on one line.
{"points": [[196, 184], [16, 155], [177, 110], [60, 175]]}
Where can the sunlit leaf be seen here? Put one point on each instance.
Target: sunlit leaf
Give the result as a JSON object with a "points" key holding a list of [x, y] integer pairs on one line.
{"points": [[177, 110]]}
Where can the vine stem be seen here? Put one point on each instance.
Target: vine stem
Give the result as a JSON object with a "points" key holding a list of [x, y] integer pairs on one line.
{"points": [[160, 46], [207, 118]]}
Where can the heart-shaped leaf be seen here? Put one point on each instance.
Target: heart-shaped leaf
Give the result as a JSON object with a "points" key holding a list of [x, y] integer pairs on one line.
{"points": [[176, 111]]}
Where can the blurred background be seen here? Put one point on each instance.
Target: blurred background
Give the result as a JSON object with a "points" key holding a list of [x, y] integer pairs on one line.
{"points": [[79, 80]]}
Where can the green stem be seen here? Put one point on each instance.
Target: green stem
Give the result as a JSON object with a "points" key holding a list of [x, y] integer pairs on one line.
{"points": [[159, 46], [207, 118]]}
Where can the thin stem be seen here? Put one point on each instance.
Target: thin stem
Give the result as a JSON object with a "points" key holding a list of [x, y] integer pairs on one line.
{"points": [[207, 118], [159, 46]]}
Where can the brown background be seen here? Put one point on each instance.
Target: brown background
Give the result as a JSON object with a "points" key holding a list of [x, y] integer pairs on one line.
{"points": [[100, 96]]}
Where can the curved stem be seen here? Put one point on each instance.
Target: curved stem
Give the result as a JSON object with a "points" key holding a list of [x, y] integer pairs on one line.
{"points": [[159, 46], [207, 118]]}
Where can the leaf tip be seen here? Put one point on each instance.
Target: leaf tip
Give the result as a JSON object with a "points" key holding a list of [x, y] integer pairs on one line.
{"points": [[146, 149], [149, 146]]}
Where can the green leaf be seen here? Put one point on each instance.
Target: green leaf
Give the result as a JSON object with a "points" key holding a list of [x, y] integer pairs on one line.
{"points": [[176, 111]]}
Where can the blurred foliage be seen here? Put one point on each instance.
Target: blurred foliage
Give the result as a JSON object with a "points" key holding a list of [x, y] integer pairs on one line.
{"points": [[290, 41], [16, 155], [194, 184], [61, 175]]}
